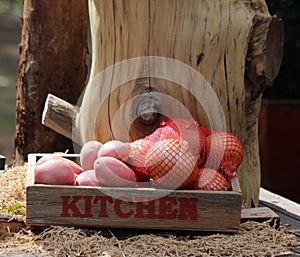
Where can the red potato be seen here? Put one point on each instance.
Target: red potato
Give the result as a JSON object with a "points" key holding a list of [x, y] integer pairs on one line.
{"points": [[224, 153], [54, 172], [138, 150], [171, 164], [88, 154], [75, 167], [116, 149], [112, 172], [210, 179], [87, 178], [49, 157]]}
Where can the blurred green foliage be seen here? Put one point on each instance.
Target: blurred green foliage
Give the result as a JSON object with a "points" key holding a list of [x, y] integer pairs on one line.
{"points": [[7, 107], [10, 6], [15, 209], [286, 85]]}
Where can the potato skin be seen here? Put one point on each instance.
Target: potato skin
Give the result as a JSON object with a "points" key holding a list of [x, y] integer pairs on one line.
{"points": [[112, 172], [75, 167], [54, 172], [116, 149], [87, 178], [48, 157], [88, 154]]}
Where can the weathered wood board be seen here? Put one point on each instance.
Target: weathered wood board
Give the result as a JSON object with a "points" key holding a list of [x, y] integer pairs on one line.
{"points": [[96, 207], [237, 46]]}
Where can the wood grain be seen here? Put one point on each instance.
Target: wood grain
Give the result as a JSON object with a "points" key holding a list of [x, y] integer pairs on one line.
{"points": [[58, 115], [213, 37], [177, 210], [236, 45], [261, 214], [53, 48]]}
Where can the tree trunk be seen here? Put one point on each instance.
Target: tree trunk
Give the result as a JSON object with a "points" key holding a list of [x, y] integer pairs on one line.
{"points": [[236, 45], [53, 51]]}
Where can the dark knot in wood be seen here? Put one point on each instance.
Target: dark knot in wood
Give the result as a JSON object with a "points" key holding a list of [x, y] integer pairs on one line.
{"points": [[148, 109], [147, 103]]}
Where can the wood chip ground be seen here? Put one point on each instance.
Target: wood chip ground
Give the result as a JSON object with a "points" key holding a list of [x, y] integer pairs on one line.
{"points": [[253, 238]]}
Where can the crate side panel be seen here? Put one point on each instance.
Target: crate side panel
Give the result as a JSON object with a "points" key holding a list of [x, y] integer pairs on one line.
{"points": [[184, 210]]}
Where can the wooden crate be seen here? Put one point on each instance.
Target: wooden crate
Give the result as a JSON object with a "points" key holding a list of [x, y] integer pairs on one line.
{"points": [[85, 206]]}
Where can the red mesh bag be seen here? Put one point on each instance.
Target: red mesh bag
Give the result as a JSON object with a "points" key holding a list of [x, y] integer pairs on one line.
{"points": [[171, 164], [223, 152], [138, 150], [172, 154], [210, 179], [190, 131], [163, 132], [205, 131]]}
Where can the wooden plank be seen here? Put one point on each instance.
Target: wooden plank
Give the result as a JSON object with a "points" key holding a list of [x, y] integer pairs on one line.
{"points": [[288, 211], [2, 162], [11, 224], [143, 208], [280, 203], [260, 214], [58, 115], [91, 207], [235, 185]]}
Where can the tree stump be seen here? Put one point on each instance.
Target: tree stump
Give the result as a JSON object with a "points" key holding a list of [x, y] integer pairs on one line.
{"points": [[52, 59], [236, 45]]}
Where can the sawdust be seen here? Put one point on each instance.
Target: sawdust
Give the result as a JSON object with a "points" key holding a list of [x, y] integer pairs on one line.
{"points": [[253, 238]]}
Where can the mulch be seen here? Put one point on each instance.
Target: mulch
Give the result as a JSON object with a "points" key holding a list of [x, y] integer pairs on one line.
{"points": [[253, 239]]}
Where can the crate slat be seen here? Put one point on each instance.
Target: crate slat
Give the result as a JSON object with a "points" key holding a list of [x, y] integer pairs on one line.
{"points": [[143, 208]]}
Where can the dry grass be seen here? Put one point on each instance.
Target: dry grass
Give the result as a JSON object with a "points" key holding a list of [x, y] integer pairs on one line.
{"points": [[253, 238], [12, 191]]}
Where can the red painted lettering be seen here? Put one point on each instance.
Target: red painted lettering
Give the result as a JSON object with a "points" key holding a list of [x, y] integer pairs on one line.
{"points": [[188, 208], [66, 206], [145, 206], [88, 207], [103, 206], [119, 212], [166, 210]]}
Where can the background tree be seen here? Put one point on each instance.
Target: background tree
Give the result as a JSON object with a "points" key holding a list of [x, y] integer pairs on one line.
{"points": [[286, 85], [52, 60]]}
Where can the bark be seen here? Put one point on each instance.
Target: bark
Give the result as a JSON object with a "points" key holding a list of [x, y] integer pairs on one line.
{"points": [[236, 45], [53, 50]]}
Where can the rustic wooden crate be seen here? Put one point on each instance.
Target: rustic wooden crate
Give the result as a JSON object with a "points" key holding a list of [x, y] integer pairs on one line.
{"points": [[85, 206]]}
